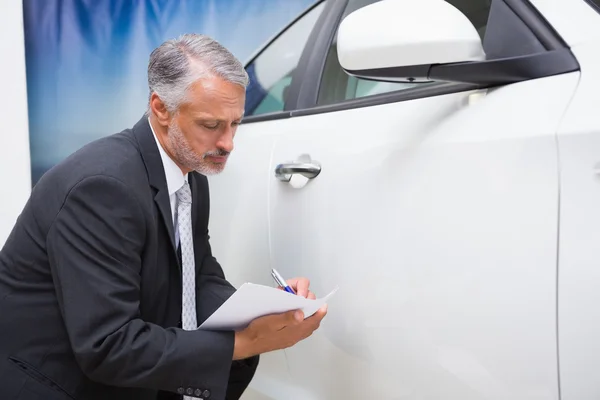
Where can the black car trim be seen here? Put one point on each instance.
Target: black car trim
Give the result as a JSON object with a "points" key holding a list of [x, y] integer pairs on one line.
{"points": [[537, 24], [493, 72], [266, 117], [282, 31], [304, 92], [297, 74], [559, 58], [428, 90], [594, 5]]}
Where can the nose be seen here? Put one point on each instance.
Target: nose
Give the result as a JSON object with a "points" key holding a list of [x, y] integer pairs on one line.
{"points": [[226, 140]]}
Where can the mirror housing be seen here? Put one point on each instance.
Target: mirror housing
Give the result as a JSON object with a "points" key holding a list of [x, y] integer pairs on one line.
{"points": [[399, 40]]}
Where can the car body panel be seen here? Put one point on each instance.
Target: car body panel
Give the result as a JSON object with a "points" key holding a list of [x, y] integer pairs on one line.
{"points": [[579, 272], [438, 218], [578, 139]]}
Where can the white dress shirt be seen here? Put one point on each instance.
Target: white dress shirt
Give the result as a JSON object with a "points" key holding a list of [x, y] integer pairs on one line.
{"points": [[175, 180]]}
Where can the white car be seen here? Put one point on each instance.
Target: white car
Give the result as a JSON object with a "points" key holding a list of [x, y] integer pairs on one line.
{"points": [[440, 163]]}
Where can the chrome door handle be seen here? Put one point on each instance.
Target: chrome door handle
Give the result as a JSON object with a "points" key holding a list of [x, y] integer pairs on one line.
{"points": [[310, 170]]}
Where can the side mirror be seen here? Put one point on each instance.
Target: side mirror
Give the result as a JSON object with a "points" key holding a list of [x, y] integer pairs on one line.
{"points": [[399, 40]]}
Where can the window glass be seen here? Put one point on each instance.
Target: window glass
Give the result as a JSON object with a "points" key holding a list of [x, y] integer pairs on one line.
{"points": [[337, 86], [271, 72]]}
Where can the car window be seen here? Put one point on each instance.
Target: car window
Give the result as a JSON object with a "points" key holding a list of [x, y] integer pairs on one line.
{"points": [[337, 86], [271, 71]]}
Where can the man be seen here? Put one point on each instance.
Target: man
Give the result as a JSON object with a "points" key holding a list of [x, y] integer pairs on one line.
{"points": [[109, 270]]}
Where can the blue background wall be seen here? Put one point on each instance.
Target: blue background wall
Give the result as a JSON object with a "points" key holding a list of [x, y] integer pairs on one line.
{"points": [[87, 59]]}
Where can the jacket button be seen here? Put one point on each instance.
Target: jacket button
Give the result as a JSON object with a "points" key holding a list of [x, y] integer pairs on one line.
{"points": [[206, 394], [190, 391], [180, 390], [198, 392]]}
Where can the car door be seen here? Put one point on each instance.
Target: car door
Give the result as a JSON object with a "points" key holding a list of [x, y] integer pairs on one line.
{"points": [[578, 144], [434, 208]]}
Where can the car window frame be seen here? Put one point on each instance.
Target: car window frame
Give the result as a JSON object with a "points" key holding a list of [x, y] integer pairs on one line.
{"points": [[306, 82], [307, 100], [306, 90], [300, 72], [536, 23], [594, 5]]}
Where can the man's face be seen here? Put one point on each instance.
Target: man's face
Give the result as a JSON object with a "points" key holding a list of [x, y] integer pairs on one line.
{"points": [[200, 136]]}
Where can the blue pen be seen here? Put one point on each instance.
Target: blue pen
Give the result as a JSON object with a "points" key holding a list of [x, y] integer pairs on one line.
{"points": [[280, 281]]}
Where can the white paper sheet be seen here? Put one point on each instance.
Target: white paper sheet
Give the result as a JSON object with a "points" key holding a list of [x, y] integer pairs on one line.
{"points": [[251, 301]]}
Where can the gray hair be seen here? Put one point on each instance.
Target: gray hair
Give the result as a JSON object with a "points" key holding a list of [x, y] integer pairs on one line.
{"points": [[178, 63]]}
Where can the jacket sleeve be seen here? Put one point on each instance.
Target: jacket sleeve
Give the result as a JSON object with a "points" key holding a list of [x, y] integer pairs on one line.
{"points": [[94, 246]]}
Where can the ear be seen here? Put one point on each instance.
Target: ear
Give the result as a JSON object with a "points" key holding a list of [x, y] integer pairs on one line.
{"points": [[163, 116]]}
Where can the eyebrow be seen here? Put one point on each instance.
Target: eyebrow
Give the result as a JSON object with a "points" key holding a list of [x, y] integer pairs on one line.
{"points": [[217, 122], [207, 117]]}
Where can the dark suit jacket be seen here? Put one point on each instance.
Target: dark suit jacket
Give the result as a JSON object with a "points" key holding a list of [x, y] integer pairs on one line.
{"points": [[90, 285]]}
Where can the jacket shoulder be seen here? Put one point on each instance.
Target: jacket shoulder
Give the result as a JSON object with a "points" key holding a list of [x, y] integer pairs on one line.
{"points": [[117, 155]]}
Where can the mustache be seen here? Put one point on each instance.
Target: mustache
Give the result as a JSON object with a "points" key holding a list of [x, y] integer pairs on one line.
{"points": [[216, 153]]}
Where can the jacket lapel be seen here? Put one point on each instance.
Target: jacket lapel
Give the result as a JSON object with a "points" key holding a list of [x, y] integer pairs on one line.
{"points": [[196, 200], [156, 174], [164, 206]]}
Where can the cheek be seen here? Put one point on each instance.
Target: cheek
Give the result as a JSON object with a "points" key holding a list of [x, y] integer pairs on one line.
{"points": [[201, 141], [192, 133]]}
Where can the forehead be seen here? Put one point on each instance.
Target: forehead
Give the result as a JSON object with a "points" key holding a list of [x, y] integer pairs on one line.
{"points": [[216, 96]]}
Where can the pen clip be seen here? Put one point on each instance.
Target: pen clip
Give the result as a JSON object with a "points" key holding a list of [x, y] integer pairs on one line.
{"points": [[281, 282], [277, 278]]}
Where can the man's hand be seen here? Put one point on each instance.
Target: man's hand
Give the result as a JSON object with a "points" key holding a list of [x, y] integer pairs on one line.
{"points": [[275, 332], [300, 286]]}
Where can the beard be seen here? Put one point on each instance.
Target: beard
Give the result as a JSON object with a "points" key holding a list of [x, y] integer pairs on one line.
{"points": [[185, 155]]}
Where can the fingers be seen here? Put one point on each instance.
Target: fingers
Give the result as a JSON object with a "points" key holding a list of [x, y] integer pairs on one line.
{"points": [[300, 286], [321, 312], [277, 322], [313, 323], [298, 316], [311, 295], [317, 317], [277, 331], [291, 318]]}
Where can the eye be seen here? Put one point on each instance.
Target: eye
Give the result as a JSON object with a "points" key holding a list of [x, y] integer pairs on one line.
{"points": [[237, 123], [212, 127]]}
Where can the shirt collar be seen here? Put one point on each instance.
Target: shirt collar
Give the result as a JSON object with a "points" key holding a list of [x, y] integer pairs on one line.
{"points": [[175, 179]]}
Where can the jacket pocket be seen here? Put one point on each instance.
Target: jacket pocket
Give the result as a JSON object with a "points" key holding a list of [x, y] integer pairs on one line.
{"points": [[38, 377]]}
